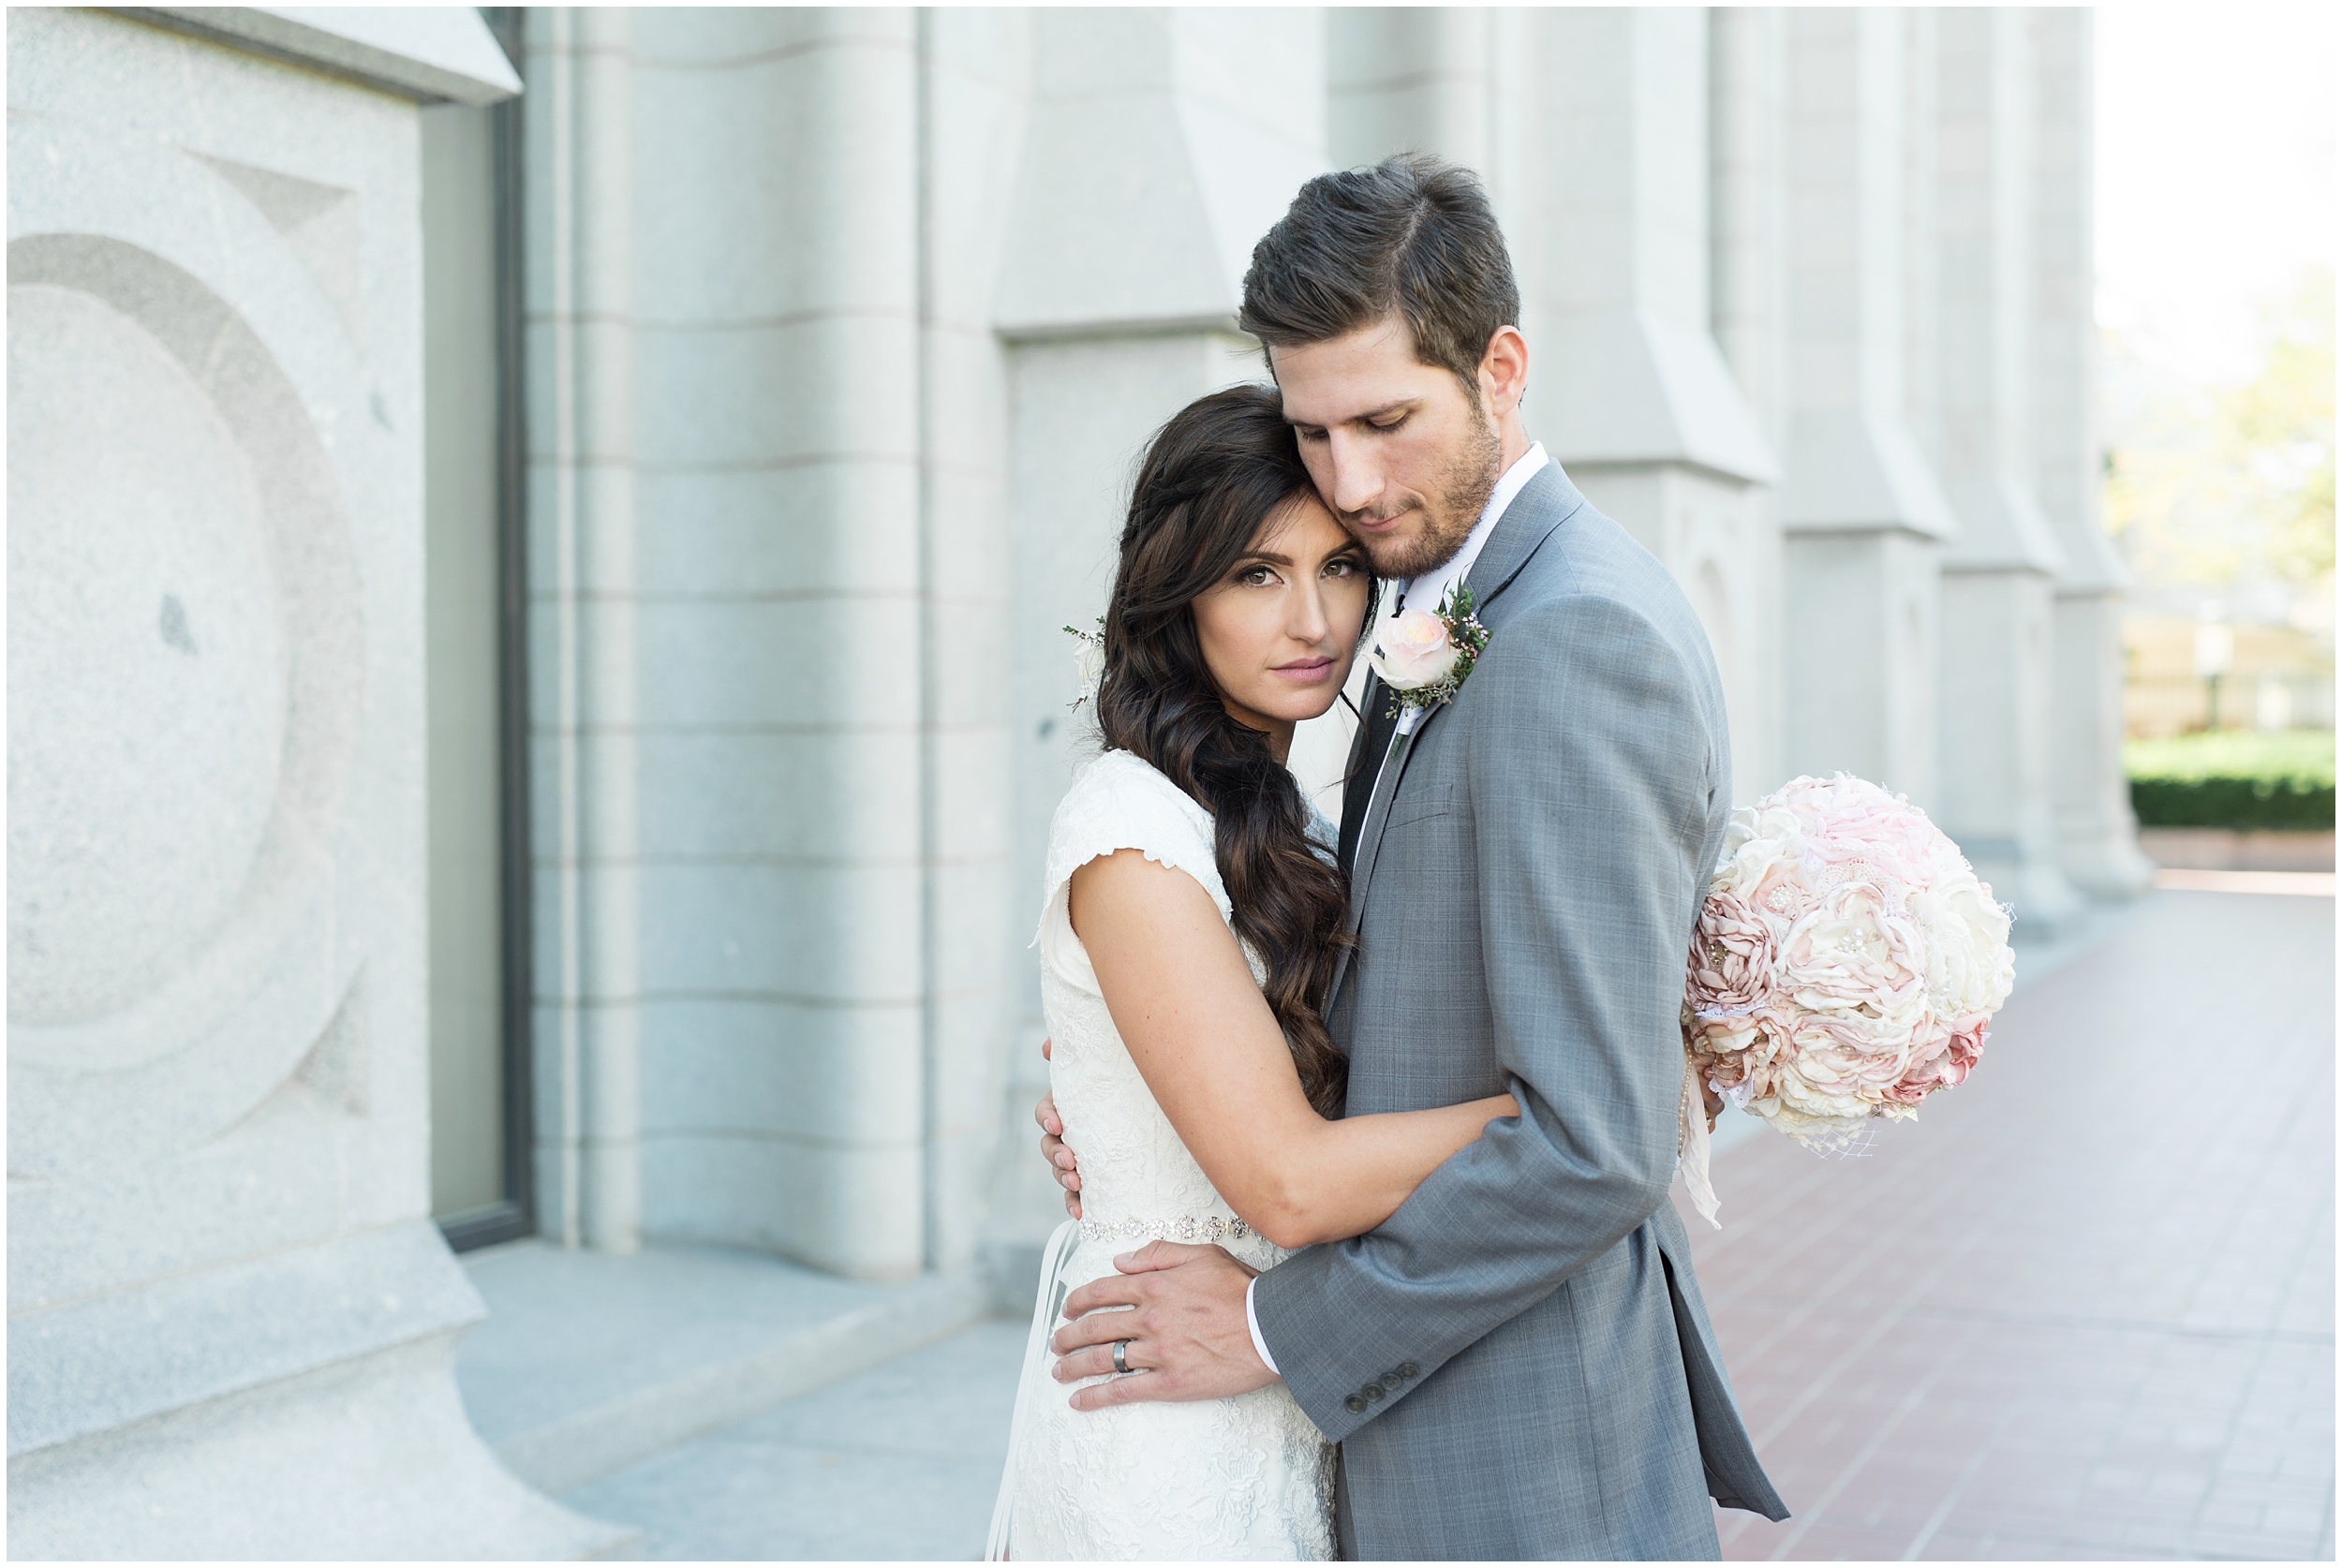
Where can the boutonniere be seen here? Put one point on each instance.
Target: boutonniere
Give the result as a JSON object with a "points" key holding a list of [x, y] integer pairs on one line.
{"points": [[1424, 656]]}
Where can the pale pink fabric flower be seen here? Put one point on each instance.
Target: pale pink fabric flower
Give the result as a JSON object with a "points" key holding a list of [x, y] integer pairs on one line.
{"points": [[1732, 956]]}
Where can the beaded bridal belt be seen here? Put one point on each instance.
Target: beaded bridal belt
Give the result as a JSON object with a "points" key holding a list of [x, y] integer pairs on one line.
{"points": [[1186, 1227]]}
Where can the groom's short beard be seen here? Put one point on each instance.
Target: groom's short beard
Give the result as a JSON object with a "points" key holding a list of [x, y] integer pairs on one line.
{"points": [[1464, 489]]}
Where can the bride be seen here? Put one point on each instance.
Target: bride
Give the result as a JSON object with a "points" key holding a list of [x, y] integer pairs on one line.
{"points": [[1193, 910]]}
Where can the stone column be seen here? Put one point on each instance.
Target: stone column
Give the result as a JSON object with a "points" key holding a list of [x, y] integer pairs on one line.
{"points": [[232, 1326], [1610, 229], [1863, 514], [2097, 835], [1159, 146], [1747, 205], [1748, 313], [786, 1081], [1998, 636], [1921, 257], [772, 568], [585, 699], [975, 67]]}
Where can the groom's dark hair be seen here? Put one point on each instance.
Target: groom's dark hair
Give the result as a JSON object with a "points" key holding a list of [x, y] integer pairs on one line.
{"points": [[1414, 234]]}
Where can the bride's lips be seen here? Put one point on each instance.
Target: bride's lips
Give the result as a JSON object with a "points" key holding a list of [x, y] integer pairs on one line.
{"points": [[1304, 671]]}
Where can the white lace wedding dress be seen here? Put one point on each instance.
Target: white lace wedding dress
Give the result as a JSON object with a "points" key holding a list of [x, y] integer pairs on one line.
{"points": [[1247, 1478]]}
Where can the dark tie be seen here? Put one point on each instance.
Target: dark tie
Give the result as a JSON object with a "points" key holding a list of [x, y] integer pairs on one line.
{"points": [[1357, 791]]}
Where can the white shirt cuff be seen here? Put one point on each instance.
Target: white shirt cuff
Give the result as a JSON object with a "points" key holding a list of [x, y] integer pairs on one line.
{"points": [[1251, 1321]]}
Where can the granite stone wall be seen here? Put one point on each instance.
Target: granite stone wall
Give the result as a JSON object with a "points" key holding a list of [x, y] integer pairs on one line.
{"points": [[232, 1323]]}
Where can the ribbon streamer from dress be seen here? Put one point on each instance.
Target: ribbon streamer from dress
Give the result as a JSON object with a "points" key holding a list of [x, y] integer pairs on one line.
{"points": [[1691, 1145], [1054, 1257]]}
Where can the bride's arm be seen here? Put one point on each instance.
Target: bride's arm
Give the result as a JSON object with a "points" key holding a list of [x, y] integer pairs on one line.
{"points": [[1207, 1045]]}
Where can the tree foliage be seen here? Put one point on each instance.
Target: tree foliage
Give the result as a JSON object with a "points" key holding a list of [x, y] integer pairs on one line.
{"points": [[2236, 481]]}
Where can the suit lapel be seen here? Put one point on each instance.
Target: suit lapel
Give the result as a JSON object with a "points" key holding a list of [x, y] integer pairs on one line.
{"points": [[1544, 504], [1385, 785], [1377, 813], [1366, 754]]}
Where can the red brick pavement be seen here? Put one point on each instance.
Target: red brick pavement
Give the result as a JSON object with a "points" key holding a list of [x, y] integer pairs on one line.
{"points": [[2083, 1307]]}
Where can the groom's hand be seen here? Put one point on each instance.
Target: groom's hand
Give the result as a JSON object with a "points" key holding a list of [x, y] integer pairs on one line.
{"points": [[1185, 1325]]}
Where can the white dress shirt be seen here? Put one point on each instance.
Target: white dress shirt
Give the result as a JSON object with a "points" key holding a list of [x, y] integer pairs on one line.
{"points": [[1425, 592]]}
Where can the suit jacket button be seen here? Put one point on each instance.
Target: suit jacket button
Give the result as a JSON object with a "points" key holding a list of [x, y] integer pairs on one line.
{"points": [[1373, 1391], [1390, 1382], [1354, 1404], [1408, 1369]]}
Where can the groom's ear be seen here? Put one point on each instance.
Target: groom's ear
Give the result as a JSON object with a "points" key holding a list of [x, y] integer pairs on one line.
{"points": [[1505, 370]]}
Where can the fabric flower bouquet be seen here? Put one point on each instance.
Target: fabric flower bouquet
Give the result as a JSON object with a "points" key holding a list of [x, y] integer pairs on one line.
{"points": [[1845, 966]]}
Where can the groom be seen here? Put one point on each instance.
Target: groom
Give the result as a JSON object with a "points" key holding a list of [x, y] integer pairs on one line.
{"points": [[1518, 1362]]}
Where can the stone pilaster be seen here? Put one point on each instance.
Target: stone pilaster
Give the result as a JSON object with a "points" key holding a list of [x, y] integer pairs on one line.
{"points": [[2097, 832], [1749, 315], [976, 68], [770, 424], [1610, 230], [1748, 234], [585, 622], [1863, 515], [1998, 633]]}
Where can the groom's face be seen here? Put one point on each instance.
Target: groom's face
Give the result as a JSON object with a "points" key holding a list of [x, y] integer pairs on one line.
{"points": [[1402, 457]]}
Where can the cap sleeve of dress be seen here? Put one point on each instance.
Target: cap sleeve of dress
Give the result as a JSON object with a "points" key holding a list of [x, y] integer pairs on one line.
{"points": [[1119, 802]]}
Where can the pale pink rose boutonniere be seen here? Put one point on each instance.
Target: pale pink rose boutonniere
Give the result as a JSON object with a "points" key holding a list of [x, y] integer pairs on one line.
{"points": [[1425, 657]]}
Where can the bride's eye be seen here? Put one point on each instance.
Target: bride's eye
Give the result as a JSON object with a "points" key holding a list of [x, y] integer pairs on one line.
{"points": [[1344, 566], [1256, 576]]}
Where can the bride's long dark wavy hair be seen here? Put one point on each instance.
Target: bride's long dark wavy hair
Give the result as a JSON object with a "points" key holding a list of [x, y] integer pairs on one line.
{"points": [[1211, 475]]}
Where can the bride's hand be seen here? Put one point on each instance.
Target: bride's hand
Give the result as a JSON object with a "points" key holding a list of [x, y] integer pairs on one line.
{"points": [[1053, 1149]]}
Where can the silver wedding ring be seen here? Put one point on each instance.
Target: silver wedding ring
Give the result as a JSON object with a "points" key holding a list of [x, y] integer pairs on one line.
{"points": [[1119, 1346]]}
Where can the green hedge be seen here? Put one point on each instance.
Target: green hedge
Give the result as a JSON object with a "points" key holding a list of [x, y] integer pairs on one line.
{"points": [[2234, 778]]}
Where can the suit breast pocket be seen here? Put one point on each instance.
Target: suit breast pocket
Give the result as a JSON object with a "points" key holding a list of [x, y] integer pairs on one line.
{"points": [[1420, 806]]}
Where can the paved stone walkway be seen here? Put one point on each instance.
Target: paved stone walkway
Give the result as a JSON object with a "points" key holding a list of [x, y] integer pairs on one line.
{"points": [[2084, 1307], [900, 1463]]}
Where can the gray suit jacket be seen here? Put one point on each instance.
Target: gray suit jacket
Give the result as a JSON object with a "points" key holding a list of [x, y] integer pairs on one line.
{"points": [[1518, 1362]]}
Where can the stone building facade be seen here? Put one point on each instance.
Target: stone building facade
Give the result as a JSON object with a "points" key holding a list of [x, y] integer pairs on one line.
{"points": [[701, 450]]}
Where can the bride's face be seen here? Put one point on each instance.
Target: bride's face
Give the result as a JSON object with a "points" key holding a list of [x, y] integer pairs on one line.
{"points": [[1279, 630]]}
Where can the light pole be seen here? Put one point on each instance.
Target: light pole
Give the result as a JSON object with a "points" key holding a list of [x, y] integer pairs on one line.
{"points": [[2215, 650]]}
